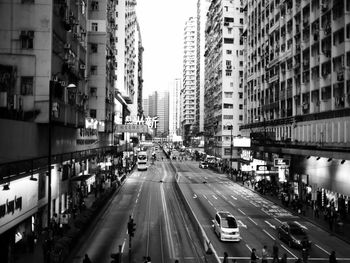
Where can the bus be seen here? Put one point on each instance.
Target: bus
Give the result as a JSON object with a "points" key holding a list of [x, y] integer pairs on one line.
{"points": [[142, 160]]}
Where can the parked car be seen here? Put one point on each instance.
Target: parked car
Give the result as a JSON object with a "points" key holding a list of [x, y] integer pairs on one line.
{"points": [[225, 226], [203, 165], [294, 235]]}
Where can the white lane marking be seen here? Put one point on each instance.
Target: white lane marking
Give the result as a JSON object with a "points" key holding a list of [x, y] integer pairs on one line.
{"points": [[248, 247], [210, 203], [205, 196], [167, 224], [279, 221], [252, 221], [322, 249], [289, 251], [195, 196], [137, 199], [267, 233], [271, 225], [302, 226], [241, 211], [233, 197], [123, 246], [215, 197], [241, 224], [231, 203], [254, 204]]}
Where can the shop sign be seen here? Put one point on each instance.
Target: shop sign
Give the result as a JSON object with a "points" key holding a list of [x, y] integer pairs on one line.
{"points": [[241, 141], [262, 168], [280, 162], [247, 155], [131, 128], [10, 206], [150, 122]]}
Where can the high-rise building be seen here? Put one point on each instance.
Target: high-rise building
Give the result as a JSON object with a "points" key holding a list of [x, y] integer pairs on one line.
{"points": [[202, 9], [158, 106], [223, 97], [102, 62], [58, 101], [188, 91], [296, 94], [174, 107], [162, 113]]}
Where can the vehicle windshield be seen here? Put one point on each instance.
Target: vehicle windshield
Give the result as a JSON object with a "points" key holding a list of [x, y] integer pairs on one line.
{"points": [[229, 222], [297, 231], [142, 157]]}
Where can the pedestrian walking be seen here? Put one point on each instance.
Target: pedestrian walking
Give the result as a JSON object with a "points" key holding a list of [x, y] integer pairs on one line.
{"points": [[332, 257], [253, 257], [86, 259], [225, 258], [264, 254], [275, 253]]}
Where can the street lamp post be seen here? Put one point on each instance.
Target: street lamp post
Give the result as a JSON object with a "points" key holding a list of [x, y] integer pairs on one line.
{"points": [[51, 86], [231, 151]]}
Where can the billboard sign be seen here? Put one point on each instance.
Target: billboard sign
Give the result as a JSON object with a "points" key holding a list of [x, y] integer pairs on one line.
{"points": [[241, 142]]}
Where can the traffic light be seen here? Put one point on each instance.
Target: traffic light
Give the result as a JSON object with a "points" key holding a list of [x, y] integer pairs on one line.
{"points": [[131, 227]]}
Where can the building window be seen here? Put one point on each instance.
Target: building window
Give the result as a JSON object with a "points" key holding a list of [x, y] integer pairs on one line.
{"points": [[94, 27], [27, 39], [228, 51], [93, 70], [27, 85], [228, 117], [93, 113], [228, 106], [348, 31], [228, 40], [229, 30], [228, 72], [93, 47], [228, 94], [241, 106], [241, 117], [94, 5], [241, 63], [27, 1], [241, 21], [240, 95], [231, 85]]}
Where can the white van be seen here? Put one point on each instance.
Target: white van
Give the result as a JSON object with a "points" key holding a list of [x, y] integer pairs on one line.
{"points": [[225, 226]]}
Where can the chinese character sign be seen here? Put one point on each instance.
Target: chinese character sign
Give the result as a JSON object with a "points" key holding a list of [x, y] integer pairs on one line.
{"points": [[151, 122]]}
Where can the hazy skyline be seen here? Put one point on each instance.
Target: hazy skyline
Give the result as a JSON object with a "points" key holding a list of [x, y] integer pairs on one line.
{"points": [[162, 23]]}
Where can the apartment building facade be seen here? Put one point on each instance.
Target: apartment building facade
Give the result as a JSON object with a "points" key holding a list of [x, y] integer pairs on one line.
{"points": [[189, 80], [58, 102], [223, 95], [296, 95]]}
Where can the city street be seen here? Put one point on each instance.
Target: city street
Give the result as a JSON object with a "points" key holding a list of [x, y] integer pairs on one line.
{"points": [[163, 230], [258, 218], [165, 233]]}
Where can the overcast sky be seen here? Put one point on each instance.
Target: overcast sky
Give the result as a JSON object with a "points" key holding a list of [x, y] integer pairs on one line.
{"points": [[162, 23]]}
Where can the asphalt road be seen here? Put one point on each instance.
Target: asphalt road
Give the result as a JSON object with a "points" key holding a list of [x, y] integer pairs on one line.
{"points": [[208, 192], [163, 229]]}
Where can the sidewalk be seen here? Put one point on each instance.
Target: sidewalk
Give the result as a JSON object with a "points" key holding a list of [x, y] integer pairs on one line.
{"points": [[37, 256], [342, 232]]}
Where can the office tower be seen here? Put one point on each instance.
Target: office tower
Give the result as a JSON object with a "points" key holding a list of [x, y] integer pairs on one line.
{"points": [[223, 98]]}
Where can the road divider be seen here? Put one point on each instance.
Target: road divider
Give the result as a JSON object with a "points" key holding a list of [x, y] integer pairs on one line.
{"points": [[210, 253]]}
